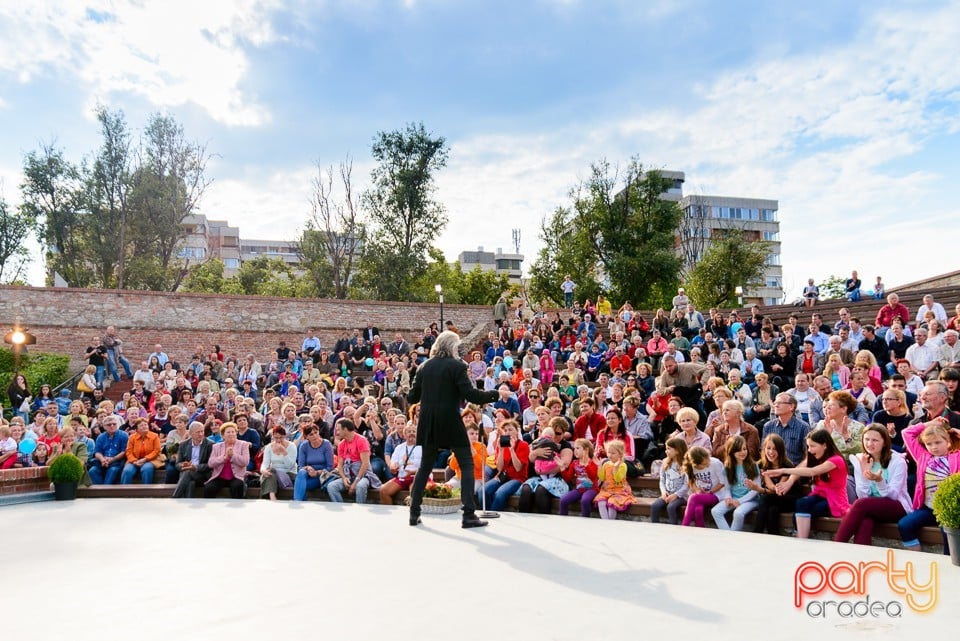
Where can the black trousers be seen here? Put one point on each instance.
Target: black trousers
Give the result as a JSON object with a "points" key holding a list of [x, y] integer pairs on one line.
{"points": [[465, 458], [187, 483], [767, 516], [539, 500], [237, 488]]}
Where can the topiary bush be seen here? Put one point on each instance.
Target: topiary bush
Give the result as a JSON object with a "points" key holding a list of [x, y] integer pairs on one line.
{"points": [[66, 468], [946, 502]]}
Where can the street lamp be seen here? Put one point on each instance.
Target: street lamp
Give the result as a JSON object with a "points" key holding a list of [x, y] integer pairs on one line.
{"points": [[439, 289], [739, 292], [19, 339]]}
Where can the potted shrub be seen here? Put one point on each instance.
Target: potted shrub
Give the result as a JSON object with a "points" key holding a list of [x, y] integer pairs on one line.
{"points": [[440, 499], [65, 472], [946, 507]]}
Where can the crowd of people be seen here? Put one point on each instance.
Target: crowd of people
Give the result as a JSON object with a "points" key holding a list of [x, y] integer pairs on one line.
{"points": [[733, 414]]}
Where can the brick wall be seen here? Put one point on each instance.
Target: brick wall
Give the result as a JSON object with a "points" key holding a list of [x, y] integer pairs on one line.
{"points": [[27, 479], [66, 320]]}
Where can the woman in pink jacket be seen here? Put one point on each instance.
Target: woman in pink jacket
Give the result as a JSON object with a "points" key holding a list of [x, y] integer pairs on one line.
{"points": [[228, 464]]}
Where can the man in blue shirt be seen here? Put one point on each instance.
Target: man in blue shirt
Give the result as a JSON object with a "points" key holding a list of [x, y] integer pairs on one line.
{"points": [[787, 426], [507, 401], [110, 453], [311, 344]]}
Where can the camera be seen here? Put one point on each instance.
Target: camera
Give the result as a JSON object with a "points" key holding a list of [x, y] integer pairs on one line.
{"points": [[504, 441]]}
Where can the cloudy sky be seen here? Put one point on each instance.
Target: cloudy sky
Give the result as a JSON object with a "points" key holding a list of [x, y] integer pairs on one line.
{"points": [[847, 113]]}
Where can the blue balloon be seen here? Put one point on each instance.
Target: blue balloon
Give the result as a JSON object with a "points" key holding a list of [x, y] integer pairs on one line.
{"points": [[369, 362], [508, 361], [27, 446]]}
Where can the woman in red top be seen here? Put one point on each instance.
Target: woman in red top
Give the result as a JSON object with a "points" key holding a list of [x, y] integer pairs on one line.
{"points": [[512, 455], [51, 433]]}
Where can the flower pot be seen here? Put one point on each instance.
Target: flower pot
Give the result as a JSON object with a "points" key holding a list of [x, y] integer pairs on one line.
{"points": [[65, 491], [953, 540], [440, 506]]}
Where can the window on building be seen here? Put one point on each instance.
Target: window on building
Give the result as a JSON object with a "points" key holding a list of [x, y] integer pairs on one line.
{"points": [[773, 282], [773, 259], [231, 263], [769, 215], [771, 235]]}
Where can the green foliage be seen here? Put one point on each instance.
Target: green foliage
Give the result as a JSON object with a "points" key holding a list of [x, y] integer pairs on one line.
{"points": [[65, 468], [832, 287], [729, 261], [37, 367], [205, 278], [405, 217], [116, 219], [15, 228], [946, 502], [618, 231], [565, 251], [482, 287]]}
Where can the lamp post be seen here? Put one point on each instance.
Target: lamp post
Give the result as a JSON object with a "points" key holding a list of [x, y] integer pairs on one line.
{"points": [[739, 292], [439, 289], [19, 339]]}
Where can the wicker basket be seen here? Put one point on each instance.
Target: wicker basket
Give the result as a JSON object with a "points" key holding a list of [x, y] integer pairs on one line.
{"points": [[440, 506]]}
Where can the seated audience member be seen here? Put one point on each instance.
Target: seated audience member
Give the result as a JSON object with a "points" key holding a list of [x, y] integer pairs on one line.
{"points": [[110, 452], [228, 464], [279, 466], [315, 462], [193, 462], [404, 463], [143, 453], [354, 471]]}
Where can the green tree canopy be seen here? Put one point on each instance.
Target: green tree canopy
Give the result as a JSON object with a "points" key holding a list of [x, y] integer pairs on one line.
{"points": [[729, 261]]}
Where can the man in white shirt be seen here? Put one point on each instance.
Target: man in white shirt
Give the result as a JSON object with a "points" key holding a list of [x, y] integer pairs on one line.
{"points": [[924, 358], [930, 306], [145, 375]]}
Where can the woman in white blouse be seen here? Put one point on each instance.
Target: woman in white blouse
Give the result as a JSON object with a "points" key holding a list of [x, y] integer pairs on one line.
{"points": [[279, 467]]}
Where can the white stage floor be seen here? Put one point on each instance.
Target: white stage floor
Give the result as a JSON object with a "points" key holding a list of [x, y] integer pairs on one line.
{"points": [[139, 569]]}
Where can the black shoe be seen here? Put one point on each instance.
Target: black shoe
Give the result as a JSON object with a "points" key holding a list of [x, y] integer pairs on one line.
{"points": [[415, 520], [473, 521]]}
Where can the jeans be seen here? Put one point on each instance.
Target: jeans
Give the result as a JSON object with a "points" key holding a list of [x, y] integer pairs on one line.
{"points": [[498, 494], [99, 375], [858, 521], [337, 486], [380, 468], [573, 496], [171, 475], [108, 476], [130, 471], [674, 510], [719, 513], [911, 524], [304, 483], [812, 506], [854, 296], [568, 299], [112, 358]]}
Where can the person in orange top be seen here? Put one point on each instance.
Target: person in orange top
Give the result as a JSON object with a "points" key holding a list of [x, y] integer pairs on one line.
{"points": [[143, 448], [479, 457]]}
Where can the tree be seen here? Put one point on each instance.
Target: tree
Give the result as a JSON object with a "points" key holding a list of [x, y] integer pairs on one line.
{"points": [[693, 232], [728, 262], [15, 228], [52, 195], [631, 229], [564, 252], [332, 243], [618, 232], [482, 287], [108, 184], [402, 209], [205, 278], [833, 287], [166, 187]]}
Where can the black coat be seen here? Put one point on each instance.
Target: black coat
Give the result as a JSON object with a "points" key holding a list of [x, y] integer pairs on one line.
{"points": [[440, 386]]}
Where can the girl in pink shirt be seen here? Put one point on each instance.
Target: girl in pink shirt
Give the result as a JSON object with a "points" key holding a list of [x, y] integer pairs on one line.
{"points": [[828, 496]]}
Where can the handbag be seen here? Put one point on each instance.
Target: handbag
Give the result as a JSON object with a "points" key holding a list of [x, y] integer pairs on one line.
{"points": [[83, 387]]}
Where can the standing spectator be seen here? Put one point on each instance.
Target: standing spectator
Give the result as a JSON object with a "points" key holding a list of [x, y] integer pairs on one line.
{"points": [[112, 343], [500, 310], [97, 356], [852, 287], [19, 392], [567, 286]]}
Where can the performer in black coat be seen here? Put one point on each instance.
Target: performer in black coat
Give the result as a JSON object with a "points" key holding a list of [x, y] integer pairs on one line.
{"points": [[440, 386]]}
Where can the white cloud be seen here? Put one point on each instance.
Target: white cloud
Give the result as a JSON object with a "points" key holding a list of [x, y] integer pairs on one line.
{"points": [[172, 53]]}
